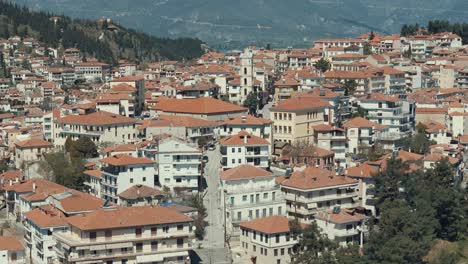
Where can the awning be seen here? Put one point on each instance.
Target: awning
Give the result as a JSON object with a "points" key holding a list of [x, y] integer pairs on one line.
{"points": [[160, 257], [97, 247], [119, 245]]}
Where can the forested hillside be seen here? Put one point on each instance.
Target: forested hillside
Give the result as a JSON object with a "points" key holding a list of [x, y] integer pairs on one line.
{"points": [[106, 41], [438, 26]]}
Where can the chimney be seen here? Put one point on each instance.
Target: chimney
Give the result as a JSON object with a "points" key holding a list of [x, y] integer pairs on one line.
{"points": [[34, 187], [245, 139], [244, 119]]}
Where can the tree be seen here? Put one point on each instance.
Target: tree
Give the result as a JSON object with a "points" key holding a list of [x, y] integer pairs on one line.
{"points": [[200, 223], [67, 172], [350, 87], [322, 65], [68, 144], [252, 103], [25, 64], [313, 247], [83, 148], [367, 49]]}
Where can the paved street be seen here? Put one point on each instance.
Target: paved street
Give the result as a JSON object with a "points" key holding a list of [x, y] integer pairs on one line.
{"points": [[213, 246]]}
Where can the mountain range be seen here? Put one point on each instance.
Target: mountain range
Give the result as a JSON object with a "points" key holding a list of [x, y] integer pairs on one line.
{"points": [[227, 24]]}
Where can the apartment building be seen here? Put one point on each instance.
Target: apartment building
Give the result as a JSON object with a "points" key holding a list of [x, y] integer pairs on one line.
{"points": [[256, 126], [30, 151], [249, 193], [344, 226], [395, 80], [244, 148], [361, 133], [148, 234], [98, 126], [332, 138], [312, 190], [119, 85], [179, 163], [267, 240], [120, 172], [338, 42], [11, 250], [92, 70], [457, 122], [285, 88], [294, 119], [395, 113], [205, 108]]}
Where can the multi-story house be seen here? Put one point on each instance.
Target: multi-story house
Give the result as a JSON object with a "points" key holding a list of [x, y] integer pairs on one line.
{"points": [[395, 113], [120, 172], [245, 148], [48, 124], [395, 81], [148, 234], [41, 222], [334, 139], [179, 163], [361, 133], [30, 151], [256, 126], [11, 251], [338, 42], [294, 118], [92, 70], [312, 190], [344, 226], [138, 94], [268, 240], [249, 193], [285, 88], [99, 126]]}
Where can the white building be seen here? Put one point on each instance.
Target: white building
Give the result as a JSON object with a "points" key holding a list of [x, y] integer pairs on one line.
{"points": [[256, 126], [314, 190], [99, 126], [360, 133], [148, 234], [30, 151], [267, 240], [344, 226], [11, 251], [245, 148], [121, 172], [179, 163], [249, 193]]}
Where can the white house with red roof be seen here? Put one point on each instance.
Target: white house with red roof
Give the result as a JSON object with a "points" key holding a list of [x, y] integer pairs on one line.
{"points": [[257, 126], [245, 148], [11, 250], [30, 151], [267, 240], [313, 190], [249, 193], [120, 172]]}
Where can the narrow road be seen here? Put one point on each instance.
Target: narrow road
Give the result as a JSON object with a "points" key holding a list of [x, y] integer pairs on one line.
{"points": [[213, 245]]}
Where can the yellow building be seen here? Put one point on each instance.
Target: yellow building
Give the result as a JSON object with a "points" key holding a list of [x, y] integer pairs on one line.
{"points": [[294, 118]]}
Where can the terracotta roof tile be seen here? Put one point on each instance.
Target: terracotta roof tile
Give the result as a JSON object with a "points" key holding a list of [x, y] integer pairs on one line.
{"points": [[33, 143], [300, 104], [97, 118], [312, 178], [243, 138], [140, 191], [125, 160], [124, 217], [269, 225], [243, 172], [10, 243]]}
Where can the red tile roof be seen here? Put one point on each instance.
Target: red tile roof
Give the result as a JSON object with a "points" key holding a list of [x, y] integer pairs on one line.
{"points": [[10, 243], [125, 217], [33, 143], [97, 118], [300, 104], [243, 172], [125, 160], [203, 105], [313, 178], [243, 138], [269, 225]]}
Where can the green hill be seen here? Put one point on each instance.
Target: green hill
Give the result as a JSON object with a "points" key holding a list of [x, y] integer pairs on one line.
{"points": [[107, 42]]}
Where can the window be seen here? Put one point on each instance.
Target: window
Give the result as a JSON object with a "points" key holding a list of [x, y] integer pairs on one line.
{"points": [[180, 227], [254, 248], [265, 196], [138, 232], [244, 198], [282, 252], [273, 196], [277, 238], [139, 247], [239, 150], [270, 211], [233, 161], [233, 150], [154, 245], [265, 251], [166, 229], [239, 215], [254, 235], [288, 237], [278, 261], [275, 252], [261, 237], [13, 256], [144, 179], [264, 212], [180, 242], [261, 251], [108, 234], [131, 180], [92, 236]]}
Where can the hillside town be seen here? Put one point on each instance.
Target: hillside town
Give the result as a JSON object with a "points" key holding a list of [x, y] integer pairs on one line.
{"points": [[211, 160]]}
